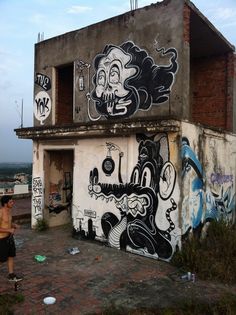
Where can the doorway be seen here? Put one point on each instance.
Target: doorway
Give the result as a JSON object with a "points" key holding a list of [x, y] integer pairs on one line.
{"points": [[58, 174]]}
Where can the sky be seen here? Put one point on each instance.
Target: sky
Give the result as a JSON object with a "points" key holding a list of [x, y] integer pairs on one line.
{"points": [[22, 21]]}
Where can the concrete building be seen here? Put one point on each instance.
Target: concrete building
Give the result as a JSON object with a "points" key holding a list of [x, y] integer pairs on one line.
{"points": [[134, 122], [12, 188]]}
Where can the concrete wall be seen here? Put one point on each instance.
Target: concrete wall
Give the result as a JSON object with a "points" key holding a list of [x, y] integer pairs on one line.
{"points": [[125, 191], [146, 63], [209, 177], [142, 193]]}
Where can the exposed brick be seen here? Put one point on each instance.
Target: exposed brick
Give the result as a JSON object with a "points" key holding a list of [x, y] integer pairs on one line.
{"points": [[212, 90], [186, 24], [64, 99]]}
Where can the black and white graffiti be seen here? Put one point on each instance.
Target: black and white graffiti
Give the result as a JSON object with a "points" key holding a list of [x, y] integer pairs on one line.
{"points": [[42, 106], [127, 80], [152, 178], [43, 81], [37, 197]]}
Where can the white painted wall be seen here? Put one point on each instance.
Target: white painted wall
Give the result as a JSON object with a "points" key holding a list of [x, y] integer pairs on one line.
{"points": [[21, 189], [152, 220]]}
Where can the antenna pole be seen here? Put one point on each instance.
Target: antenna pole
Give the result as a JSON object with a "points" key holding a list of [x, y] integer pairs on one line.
{"points": [[22, 108]]}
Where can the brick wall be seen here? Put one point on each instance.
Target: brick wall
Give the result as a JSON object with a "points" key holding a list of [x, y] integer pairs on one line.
{"points": [[186, 26], [211, 80], [64, 102]]}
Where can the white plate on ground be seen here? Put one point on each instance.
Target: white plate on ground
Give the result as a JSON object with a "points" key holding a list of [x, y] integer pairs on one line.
{"points": [[49, 300]]}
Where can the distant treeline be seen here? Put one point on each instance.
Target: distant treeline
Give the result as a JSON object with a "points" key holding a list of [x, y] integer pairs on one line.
{"points": [[8, 170]]}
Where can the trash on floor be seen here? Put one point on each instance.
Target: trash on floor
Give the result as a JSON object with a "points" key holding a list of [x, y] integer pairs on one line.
{"points": [[98, 258], [183, 277], [73, 250], [49, 300], [40, 258], [188, 277]]}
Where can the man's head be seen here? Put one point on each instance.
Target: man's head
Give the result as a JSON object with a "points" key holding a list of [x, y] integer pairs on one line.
{"points": [[5, 199]]}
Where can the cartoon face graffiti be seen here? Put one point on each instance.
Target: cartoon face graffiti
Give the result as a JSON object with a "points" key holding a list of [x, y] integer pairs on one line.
{"points": [[153, 177], [127, 80], [111, 76]]}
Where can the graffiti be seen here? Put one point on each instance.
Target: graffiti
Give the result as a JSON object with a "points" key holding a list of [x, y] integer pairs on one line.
{"points": [[88, 225], [37, 190], [90, 213], [43, 81], [193, 202], [56, 205], [42, 106], [108, 164], [220, 179], [127, 80], [152, 178], [219, 205], [80, 67]]}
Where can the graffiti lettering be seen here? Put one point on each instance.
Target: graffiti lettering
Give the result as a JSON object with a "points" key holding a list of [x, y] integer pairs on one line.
{"points": [[90, 213], [43, 81], [37, 189], [217, 178], [42, 106]]}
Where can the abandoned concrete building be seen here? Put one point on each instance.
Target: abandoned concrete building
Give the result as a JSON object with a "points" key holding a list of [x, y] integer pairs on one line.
{"points": [[134, 129]]}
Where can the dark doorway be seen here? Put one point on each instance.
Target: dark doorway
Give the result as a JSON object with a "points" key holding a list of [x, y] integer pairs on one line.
{"points": [[64, 95]]}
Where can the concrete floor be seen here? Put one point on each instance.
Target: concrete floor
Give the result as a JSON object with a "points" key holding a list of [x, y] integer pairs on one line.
{"points": [[95, 278]]}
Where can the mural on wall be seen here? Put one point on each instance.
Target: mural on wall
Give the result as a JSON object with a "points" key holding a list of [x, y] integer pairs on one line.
{"points": [[221, 203], [127, 80], [37, 197], [153, 179], [193, 202], [42, 106], [201, 206]]}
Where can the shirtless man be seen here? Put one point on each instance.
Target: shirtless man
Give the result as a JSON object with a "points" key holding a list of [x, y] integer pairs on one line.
{"points": [[7, 243]]}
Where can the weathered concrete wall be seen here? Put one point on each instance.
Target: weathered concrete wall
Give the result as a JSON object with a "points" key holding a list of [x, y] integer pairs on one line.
{"points": [[209, 177], [124, 72], [125, 191], [142, 193]]}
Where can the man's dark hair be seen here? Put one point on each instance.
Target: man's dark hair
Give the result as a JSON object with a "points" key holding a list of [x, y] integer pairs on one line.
{"points": [[5, 199]]}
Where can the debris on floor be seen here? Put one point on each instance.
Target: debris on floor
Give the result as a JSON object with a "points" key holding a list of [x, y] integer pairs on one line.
{"points": [[49, 300], [73, 250], [40, 258]]}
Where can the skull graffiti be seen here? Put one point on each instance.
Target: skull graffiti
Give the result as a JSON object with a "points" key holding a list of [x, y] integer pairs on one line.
{"points": [[110, 78]]}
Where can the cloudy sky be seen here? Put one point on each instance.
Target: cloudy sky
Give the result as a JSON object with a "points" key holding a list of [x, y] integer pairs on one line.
{"points": [[22, 21]]}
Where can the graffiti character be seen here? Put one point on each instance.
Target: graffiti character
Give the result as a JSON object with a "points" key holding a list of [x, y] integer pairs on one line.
{"points": [[153, 177], [221, 206], [192, 203], [127, 80], [218, 205]]}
